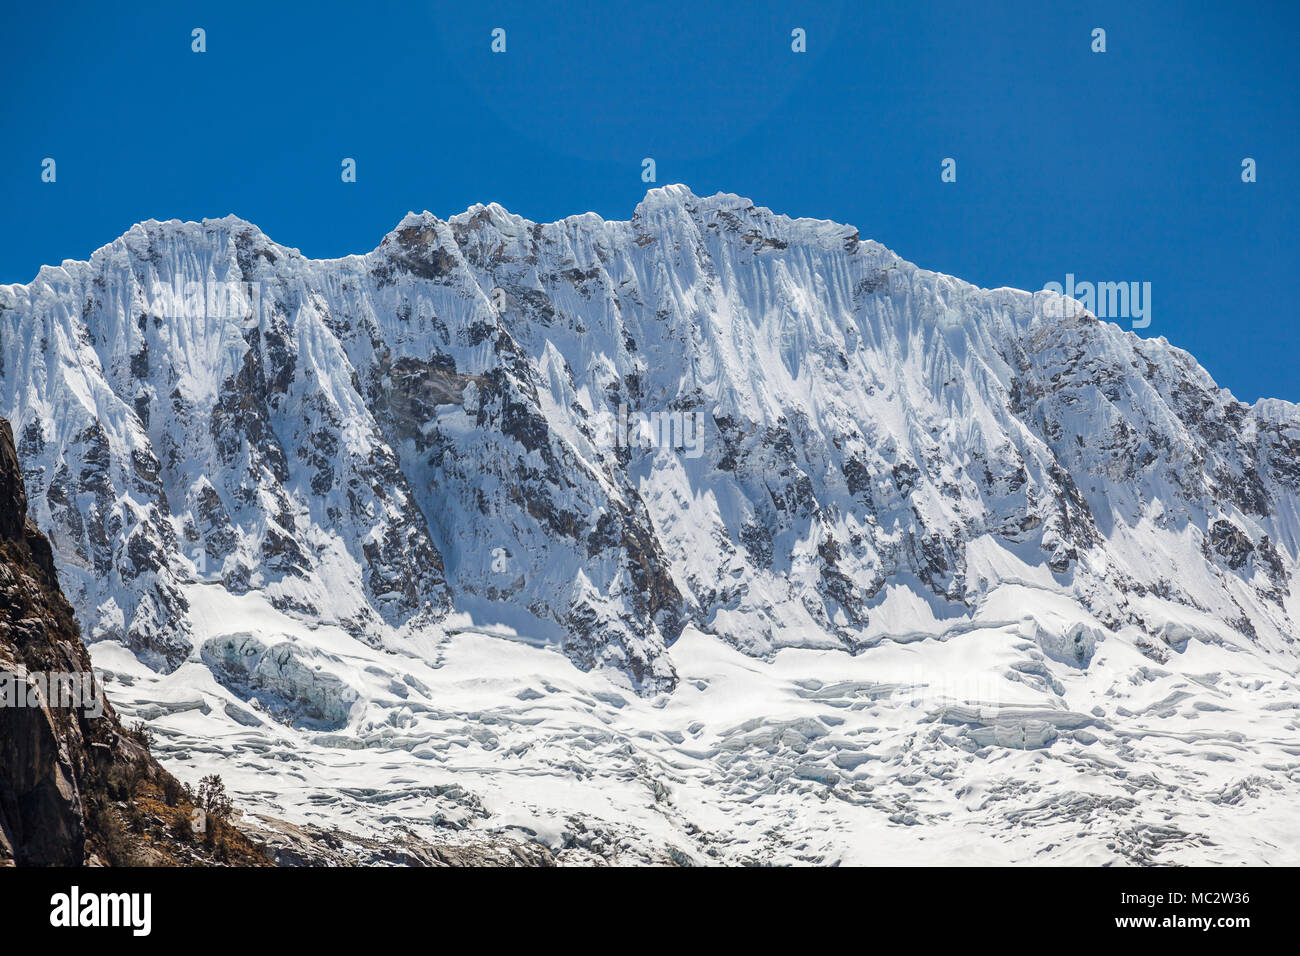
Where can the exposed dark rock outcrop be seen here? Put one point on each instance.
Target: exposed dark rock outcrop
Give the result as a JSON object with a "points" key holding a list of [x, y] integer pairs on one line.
{"points": [[75, 786]]}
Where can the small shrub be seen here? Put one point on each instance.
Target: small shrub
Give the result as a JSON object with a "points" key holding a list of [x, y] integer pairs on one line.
{"points": [[141, 734], [117, 846], [120, 781], [213, 799]]}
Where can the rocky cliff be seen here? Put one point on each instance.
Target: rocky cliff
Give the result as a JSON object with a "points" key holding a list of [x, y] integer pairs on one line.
{"points": [[75, 786]]}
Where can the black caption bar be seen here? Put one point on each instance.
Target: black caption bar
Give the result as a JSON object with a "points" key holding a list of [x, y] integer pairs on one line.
{"points": [[229, 906]]}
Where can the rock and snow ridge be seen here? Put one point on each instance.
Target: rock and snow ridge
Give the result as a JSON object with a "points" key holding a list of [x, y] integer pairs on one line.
{"points": [[377, 453]]}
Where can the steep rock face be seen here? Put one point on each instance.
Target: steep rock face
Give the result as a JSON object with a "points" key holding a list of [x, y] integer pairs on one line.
{"points": [[450, 422], [44, 749]]}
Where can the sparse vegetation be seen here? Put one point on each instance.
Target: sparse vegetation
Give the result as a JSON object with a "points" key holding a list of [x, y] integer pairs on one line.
{"points": [[141, 734], [213, 799], [182, 829], [121, 780], [118, 846]]}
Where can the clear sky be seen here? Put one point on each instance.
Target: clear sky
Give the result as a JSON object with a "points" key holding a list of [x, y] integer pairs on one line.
{"points": [[1115, 166]]}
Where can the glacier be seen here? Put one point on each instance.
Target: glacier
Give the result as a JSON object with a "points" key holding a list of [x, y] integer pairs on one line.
{"points": [[950, 570]]}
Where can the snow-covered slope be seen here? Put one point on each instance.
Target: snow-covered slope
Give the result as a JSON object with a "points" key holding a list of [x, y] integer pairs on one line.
{"points": [[433, 438]]}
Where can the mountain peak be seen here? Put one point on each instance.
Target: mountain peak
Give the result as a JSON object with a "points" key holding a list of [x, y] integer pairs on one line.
{"points": [[672, 194], [707, 432]]}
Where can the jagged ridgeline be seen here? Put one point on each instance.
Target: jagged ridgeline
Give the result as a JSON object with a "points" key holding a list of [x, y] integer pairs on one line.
{"points": [[437, 426]]}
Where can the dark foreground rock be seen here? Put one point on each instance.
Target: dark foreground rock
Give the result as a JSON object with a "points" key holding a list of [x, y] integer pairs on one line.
{"points": [[76, 787]]}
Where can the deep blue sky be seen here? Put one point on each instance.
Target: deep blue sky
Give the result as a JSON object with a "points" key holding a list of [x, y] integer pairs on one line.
{"points": [[1117, 166]]}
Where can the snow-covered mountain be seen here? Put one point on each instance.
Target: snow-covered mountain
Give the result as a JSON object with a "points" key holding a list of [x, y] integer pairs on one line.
{"points": [[766, 432]]}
